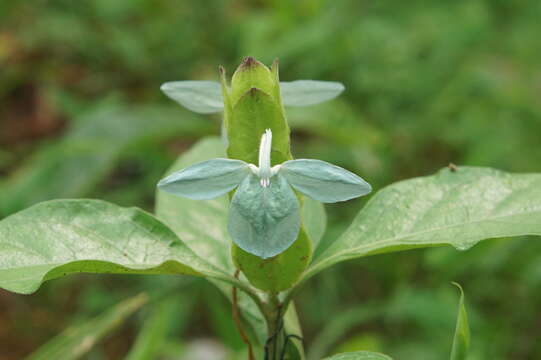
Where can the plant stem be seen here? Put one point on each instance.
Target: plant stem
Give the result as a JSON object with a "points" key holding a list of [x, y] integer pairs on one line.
{"points": [[274, 316], [246, 288]]}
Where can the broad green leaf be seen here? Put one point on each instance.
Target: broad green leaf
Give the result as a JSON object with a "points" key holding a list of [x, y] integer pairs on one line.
{"points": [[454, 207], [90, 150], [461, 340], [204, 97], [77, 340], [61, 237], [309, 92], [359, 355]]}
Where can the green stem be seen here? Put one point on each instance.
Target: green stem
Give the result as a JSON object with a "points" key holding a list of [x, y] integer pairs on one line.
{"points": [[274, 316]]}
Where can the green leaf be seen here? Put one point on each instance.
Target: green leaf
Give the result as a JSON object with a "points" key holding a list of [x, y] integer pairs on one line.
{"points": [[90, 150], [76, 341], [61, 237], [461, 340], [454, 207], [359, 355]]}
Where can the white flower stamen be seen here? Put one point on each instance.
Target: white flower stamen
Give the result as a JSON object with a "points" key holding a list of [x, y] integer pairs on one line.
{"points": [[265, 158]]}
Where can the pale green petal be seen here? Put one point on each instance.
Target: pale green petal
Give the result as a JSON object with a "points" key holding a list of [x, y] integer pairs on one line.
{"points": [[207, 179], [309, 92], [323, 181], [264, 221], [203, 97]]}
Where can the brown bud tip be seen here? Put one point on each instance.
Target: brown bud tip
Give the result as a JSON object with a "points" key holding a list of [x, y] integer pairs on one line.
{"points": [[248, 61], [253, 90], [221, 70]]}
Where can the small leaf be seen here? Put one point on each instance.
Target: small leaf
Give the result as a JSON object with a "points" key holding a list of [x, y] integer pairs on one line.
{"points": [[76, 341], [206, 180], [204, 97], [264, 221], [359, 355], [309, 92], [60, 237], [458, 208], [461, 340], [323, 181]]}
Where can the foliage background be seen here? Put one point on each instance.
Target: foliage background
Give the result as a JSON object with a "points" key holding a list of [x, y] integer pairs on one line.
{"points": [[428, 83]]}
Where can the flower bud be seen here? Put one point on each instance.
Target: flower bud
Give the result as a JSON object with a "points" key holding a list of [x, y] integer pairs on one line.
{"points": [[251, 74]]}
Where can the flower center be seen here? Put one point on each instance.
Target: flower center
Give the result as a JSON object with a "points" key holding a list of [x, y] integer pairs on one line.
{"points": [[265, 158]]}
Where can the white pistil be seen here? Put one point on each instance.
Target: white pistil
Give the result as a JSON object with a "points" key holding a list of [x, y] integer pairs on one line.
{"points": [[265, 158]]}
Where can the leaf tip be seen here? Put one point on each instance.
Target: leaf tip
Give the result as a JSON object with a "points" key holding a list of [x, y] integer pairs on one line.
{"points": [[458, 286]]}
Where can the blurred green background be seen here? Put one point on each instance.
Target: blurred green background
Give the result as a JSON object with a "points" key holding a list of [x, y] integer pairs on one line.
{"points": [[428, 83]]}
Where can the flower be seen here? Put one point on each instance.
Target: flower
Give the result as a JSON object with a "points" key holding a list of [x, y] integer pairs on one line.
{"points": [[206, 97], [264, 214]]}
